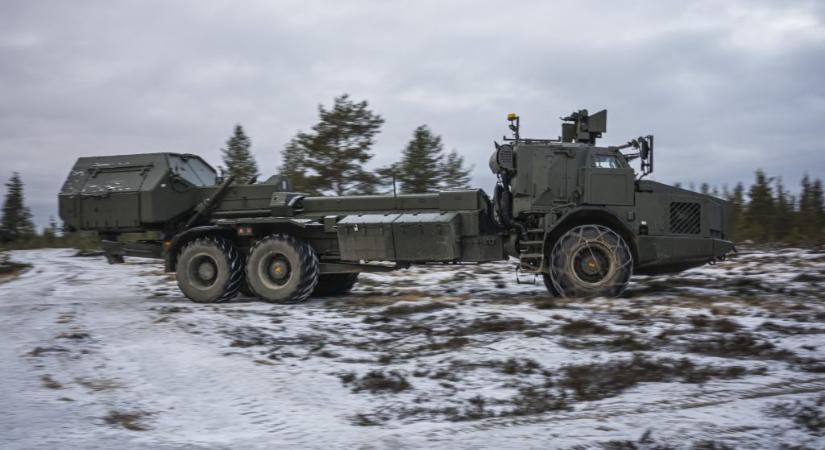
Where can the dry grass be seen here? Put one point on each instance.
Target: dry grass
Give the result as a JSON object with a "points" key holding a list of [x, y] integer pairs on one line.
{"points": [[131, 420], [581, 327], [98, 384], [377, 381], [50, 382], [601, 380]]}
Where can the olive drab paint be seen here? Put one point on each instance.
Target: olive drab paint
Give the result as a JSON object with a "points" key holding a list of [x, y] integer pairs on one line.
{"points": [[153, 204]]}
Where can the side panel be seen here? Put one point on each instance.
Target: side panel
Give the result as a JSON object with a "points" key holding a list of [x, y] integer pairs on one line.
{"points": [[400, 237], [367, 237], [110, 198], [427, 237], [608, 186]]}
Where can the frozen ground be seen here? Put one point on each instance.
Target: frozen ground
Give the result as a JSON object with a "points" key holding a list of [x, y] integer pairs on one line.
{"points": [[726, 356]]}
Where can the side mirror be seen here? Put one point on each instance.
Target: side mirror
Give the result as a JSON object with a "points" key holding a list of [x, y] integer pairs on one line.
{"points": [[645, 148]]}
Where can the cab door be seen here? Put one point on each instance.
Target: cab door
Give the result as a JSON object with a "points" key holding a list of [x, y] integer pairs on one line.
{"points": [[607, 181]]}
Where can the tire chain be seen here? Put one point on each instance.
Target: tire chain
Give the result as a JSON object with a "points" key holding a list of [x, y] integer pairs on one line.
{"points": [[236, 269], [309, 266], [621, 245]]}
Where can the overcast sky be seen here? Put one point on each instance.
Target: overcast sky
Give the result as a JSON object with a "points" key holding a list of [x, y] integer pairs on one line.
{"points": [[726, 87]]}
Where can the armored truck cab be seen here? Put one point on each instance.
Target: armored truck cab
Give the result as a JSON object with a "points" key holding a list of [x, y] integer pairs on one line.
{"points": [[572, 212]]}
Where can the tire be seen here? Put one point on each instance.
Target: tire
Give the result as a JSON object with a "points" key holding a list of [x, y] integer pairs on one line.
{"points": [[209, 270], [245, 291], [112, 258], [548, 283], [332, 284], [282, 269], [590, 261]]}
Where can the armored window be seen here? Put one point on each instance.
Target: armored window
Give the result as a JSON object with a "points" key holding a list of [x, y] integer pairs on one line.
{"points": [[606, 162], [193, 170]]}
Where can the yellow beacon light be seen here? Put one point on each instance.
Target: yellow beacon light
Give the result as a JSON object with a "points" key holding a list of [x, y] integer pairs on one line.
{"points": [[512, 116]]}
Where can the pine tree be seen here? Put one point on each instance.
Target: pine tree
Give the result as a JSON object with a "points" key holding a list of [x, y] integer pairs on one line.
{"points": [[419, 169], [736, 207], [50, 231], [453, 173], [807, 216], [292, 165], [331, 157], [783, 214], [760, 211], [16, 216], [818, 206], [238, 159], [704, 188]]}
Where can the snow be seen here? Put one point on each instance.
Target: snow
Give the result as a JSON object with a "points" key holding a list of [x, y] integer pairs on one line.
{"points": [[105, 356]]}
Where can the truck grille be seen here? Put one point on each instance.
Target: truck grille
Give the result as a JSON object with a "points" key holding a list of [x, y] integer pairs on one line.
{"points": [[685, 218]]}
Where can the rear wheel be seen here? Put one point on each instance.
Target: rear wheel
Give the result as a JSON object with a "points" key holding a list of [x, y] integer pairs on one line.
{"points": [[590, 261], [209, 270], [282, 269], [331, 284]]}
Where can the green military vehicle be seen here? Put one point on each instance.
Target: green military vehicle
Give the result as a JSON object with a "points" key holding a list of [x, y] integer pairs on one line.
{"points": [[575, 213]]}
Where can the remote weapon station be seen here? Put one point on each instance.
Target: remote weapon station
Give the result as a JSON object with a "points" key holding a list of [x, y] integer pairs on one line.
{"points": [[568, 210]]}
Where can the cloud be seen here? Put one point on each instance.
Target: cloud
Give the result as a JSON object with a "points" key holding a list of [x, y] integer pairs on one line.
{"points": [[726, 88]]}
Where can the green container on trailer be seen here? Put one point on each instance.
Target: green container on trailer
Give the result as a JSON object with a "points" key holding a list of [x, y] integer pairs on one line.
{"points": [[427, 237]]}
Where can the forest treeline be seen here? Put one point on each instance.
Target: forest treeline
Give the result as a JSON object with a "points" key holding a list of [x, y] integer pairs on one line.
{"points": [[767, 211], [331, 158]]}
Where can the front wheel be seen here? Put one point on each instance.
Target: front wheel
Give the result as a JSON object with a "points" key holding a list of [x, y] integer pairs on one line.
{"points": [[590, 261], [282, 269]]}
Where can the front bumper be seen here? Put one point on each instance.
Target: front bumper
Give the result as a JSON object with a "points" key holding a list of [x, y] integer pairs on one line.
{"points": [[668, 254]]}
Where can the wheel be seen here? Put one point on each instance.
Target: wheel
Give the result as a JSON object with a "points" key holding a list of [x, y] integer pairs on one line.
{"points": [[209, 270], [113, 258], [282, 269], [331, 284], [590, 261], [548, 283], [246, 291]]}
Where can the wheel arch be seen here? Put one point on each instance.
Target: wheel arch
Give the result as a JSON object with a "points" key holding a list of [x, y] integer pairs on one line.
{"points": [[592, 216], [181, 239]]}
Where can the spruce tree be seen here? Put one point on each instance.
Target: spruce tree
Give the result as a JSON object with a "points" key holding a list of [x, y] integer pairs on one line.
{"points": [[453, 173], [807, 216], [419, 170], [331, 157], [783, 214], [238, 158], [293, 166], [17, 218], [736, 207], [760, 211], [818, 206], [50, 231]]}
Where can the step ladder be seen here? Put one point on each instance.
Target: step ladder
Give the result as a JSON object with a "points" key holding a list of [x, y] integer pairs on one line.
{"points": [[531, 252]]}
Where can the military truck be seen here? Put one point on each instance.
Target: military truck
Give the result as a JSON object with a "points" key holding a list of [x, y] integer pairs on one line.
{"points": [[565, 209]]}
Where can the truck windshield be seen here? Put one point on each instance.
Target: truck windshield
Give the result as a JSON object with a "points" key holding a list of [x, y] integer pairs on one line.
{"points": [[606, 162]]}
